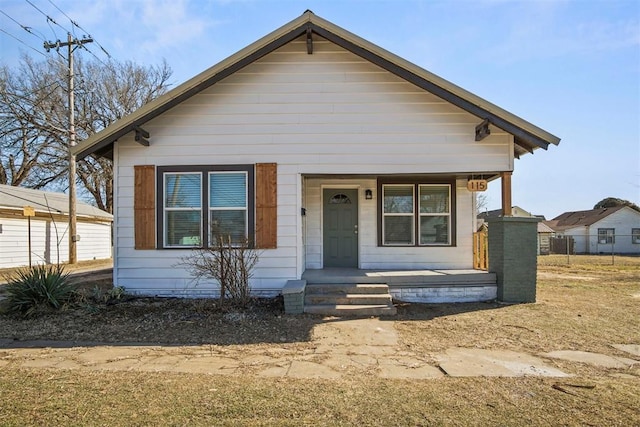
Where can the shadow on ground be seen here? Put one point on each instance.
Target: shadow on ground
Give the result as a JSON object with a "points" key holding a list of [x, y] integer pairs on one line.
{"points": [[413, 311]]}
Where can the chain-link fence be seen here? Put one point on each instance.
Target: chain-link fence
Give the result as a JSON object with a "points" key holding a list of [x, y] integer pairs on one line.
{"points": [[603, 250]]}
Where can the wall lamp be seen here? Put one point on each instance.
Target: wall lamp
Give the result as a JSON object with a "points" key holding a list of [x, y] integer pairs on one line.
{"points": [[368, 194]]}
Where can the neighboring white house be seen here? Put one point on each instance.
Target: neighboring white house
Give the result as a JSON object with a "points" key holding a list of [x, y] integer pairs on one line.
{"points": [[605, 230], [323, 148], [49, 239]]}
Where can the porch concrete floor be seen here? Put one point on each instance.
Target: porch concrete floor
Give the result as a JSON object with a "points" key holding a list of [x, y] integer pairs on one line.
{"points": [[397, 278]]}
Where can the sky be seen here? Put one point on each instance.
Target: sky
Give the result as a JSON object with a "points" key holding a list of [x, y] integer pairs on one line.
{"points": [[569, 67]]}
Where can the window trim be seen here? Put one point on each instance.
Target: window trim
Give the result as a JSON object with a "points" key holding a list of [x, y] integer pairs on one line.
{"points": [[204, 171], [211, 209], [416, 181], [167, 209], [439, 214], [411, 214], [635, 236]]}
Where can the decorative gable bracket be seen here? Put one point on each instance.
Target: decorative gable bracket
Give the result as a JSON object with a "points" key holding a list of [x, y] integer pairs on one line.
{"points": [[482, 130], [141, 136], [309, 40]]}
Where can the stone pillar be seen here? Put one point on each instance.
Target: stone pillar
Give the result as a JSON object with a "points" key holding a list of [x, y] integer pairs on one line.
{"points": [[293, 294], [513, 243]]}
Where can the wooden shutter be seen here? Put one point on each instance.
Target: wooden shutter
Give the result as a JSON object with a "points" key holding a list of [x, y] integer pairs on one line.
{"points": [[266, 205], [144, 207]]}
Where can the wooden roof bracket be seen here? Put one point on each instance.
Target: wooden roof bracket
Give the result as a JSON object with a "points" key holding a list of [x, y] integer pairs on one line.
{"points": [[141, 136], [482, 130], [309, 40]]}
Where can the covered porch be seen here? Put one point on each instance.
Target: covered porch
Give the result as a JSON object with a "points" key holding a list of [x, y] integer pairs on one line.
{"points": [[431, 286]]}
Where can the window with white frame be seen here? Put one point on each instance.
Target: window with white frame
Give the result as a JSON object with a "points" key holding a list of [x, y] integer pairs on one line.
{"points": [[435, 212], [201, 204], [228, 206], [607, 236], [635, 235], [182, 204], [398, 220], [416, 214]]}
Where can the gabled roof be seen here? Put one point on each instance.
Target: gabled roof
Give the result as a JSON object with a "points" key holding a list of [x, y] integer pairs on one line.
{"points": [[516, 211], [581, 218], [15, 198], [544, 228], [527, 136]]}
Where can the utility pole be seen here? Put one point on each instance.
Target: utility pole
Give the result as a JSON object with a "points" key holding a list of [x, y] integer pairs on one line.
{"points": [[71, 44]]}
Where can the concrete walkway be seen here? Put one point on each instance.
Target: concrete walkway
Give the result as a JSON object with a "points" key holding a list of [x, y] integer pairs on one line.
{"points": [[343, 348]]}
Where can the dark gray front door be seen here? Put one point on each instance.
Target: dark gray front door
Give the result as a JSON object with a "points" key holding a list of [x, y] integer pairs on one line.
{"points": [[340, 228]]}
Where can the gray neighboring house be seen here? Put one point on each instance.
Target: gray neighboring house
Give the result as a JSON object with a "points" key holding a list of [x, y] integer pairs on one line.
{"points": [[605, 230], [544, 232], [49, 239]]}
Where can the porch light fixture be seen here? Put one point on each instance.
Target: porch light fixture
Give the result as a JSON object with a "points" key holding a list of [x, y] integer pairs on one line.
{"points": [[368, 194]]}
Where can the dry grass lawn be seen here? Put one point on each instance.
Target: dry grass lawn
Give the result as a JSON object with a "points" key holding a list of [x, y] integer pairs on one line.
{"points": [[587, 305]]}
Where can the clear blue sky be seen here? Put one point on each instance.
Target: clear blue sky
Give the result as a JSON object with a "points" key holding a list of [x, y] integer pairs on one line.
{"points": [[570, 67]]}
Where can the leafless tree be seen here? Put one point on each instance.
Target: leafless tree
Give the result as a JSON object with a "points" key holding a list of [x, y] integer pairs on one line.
{"points": [[34, 119]]}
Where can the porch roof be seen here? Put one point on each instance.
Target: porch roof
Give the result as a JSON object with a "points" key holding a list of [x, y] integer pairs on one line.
{"points": [[527, 136]]}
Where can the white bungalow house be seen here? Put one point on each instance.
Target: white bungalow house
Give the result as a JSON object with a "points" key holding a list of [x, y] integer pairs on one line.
{"points": [[597, 231], [330, 152], [47, 228]]}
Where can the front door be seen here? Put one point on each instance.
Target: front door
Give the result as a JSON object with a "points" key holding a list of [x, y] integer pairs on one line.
{"points": [[340, 228]]}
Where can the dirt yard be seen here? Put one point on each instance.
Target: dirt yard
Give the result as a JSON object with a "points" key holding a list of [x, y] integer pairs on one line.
{"points": [[587, 305]]}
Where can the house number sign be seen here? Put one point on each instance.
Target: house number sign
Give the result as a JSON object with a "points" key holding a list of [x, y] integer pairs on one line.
{"points": [[477, 185]]}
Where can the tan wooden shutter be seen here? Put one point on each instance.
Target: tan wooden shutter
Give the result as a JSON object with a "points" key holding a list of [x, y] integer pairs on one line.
{"points": [[144, 207], [266, 205]]}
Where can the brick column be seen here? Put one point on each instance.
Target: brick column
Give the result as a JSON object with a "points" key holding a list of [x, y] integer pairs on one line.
{"points": [[513, 243]]}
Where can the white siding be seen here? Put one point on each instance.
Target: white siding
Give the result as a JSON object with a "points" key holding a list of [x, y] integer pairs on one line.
{"points": [[331, 112], [49, 242], [372, 256]]}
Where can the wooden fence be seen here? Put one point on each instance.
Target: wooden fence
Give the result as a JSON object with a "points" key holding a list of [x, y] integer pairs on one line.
{"points": [[480, 250]]}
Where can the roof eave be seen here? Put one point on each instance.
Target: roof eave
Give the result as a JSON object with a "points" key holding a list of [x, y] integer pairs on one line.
{"points": [[528, 137]]}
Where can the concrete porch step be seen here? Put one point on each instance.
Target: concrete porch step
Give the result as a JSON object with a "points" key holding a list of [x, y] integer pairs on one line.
{"points": [[348, 299], [344, 299], [351, 310], [357, 288]]}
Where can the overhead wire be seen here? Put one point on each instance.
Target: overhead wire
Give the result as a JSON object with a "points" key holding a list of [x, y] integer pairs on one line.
{"points": [[75, 24], [49, 19], [24, 43], [24, 27]]}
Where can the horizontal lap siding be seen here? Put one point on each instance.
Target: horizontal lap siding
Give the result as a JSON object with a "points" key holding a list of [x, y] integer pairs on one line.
{"points": [[331, 112], [372, 256], [49, 242]]}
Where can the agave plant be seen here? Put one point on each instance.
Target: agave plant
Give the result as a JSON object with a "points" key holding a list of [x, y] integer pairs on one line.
{"points": [[31, 288]]}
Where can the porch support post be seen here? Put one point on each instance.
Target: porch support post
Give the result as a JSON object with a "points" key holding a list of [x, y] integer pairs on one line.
{"points": [[506, 193], [513, 247]]}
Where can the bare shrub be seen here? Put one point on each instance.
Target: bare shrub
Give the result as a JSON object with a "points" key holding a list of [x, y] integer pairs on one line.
{"points": [[228, 262]]}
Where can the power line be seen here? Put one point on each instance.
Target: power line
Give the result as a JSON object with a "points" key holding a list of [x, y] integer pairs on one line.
{"points": [[49, 19], [24, 27], [27, 45], [75, 24]]}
